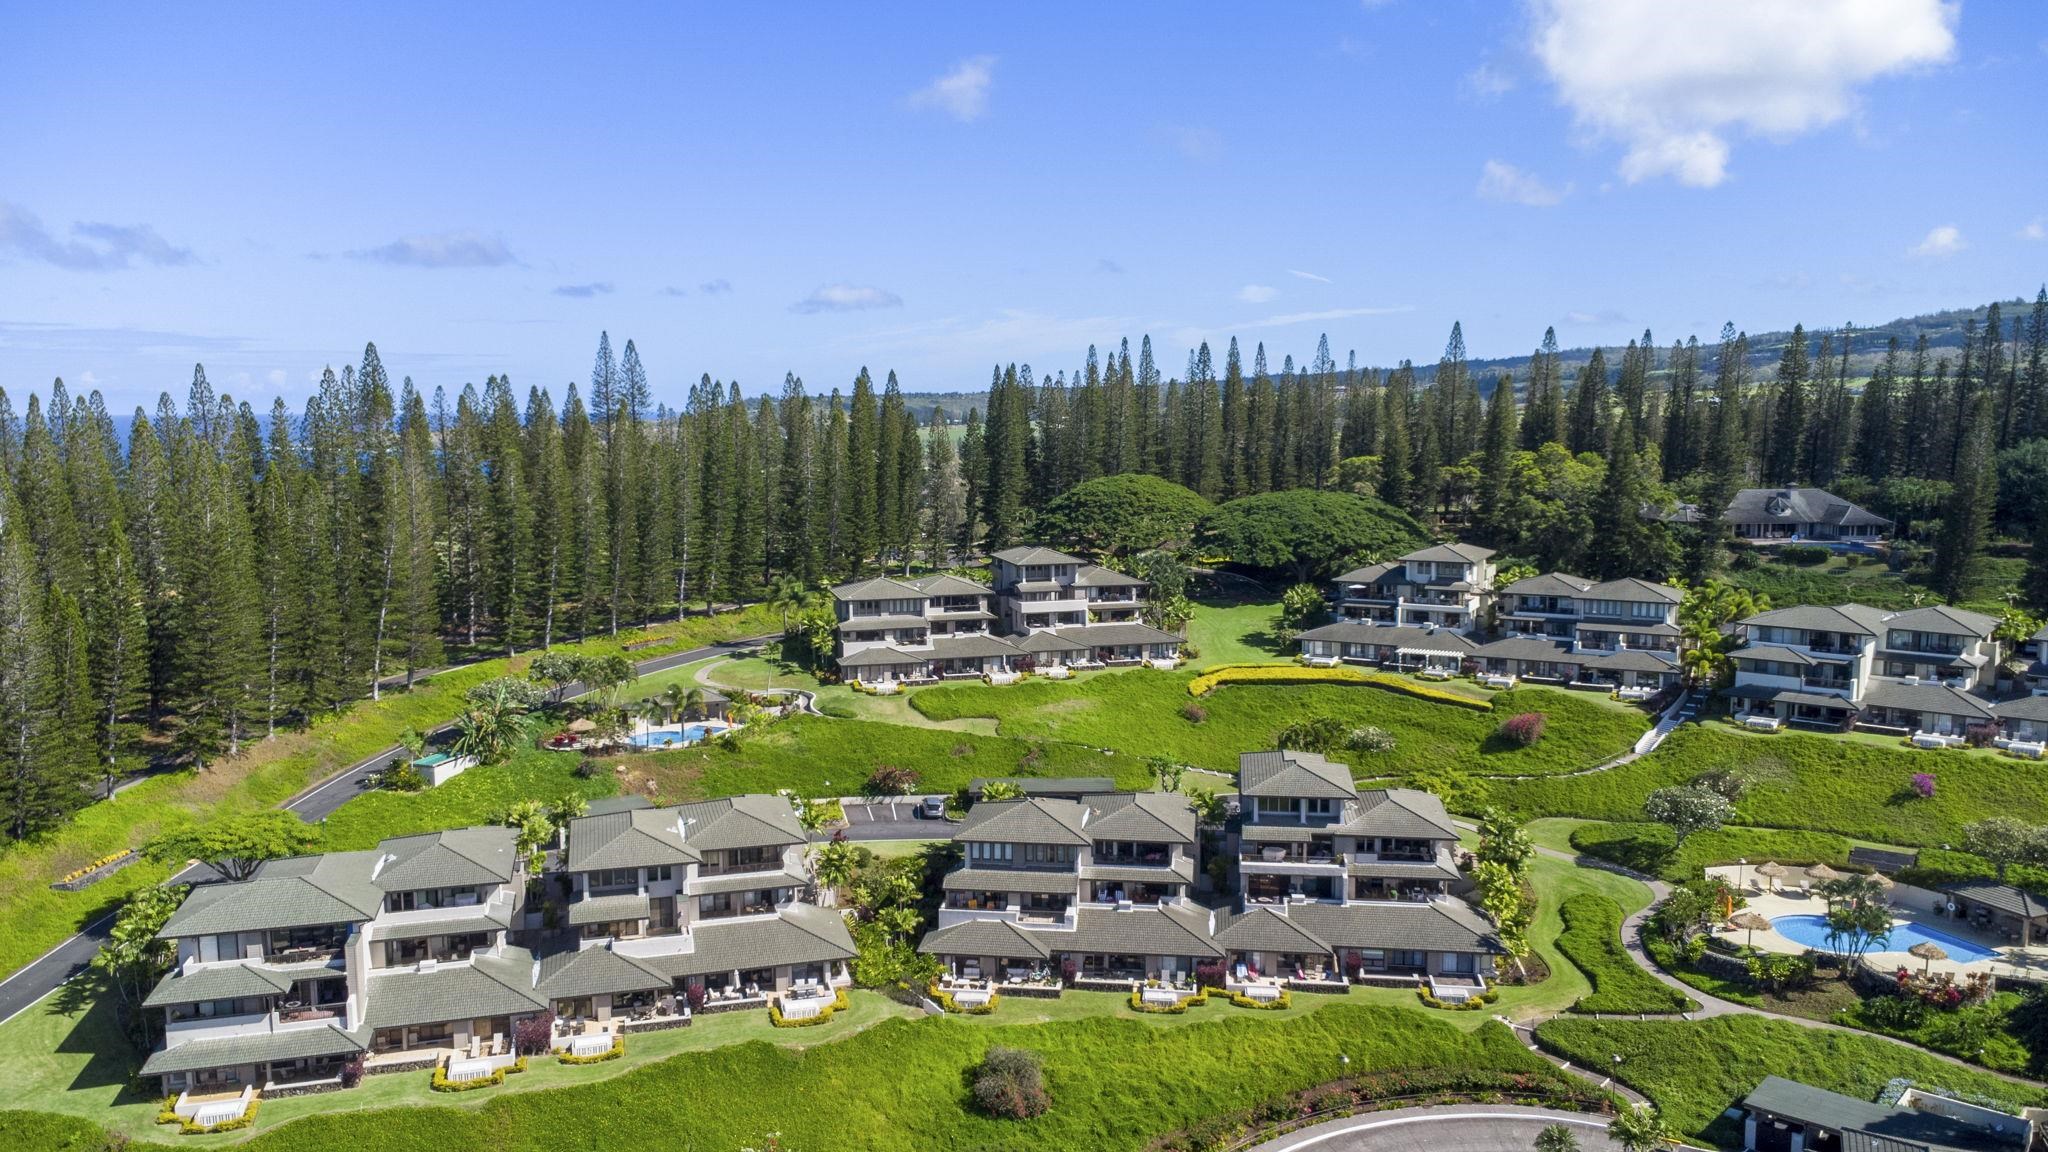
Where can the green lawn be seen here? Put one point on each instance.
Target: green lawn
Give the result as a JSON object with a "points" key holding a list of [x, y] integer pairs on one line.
{"points": [[1235, 631], [1806, 782], [474, 797], [266, 774], [886, 1082], [1591, 940], [822, 756], [1147, 713], [1693, 1071]]}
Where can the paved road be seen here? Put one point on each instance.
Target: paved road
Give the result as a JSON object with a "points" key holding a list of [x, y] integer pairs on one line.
{"points": [[1446, 1128], [67, 959]]}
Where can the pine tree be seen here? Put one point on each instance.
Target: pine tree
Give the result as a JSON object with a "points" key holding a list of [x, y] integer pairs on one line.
{"points": [[890, 530], [944, 499], [863, 462], [1497, 448], [973, 474], [802, 554], [1877, 431], [1006, 438], [1966, 515], [1395, 461], [743, 554], [589, 534], [1587, 422], [2034, 393], [216, 618], [415, 625], [1628, 544], [1544, 423], [1787, 430], [547, 482], [35, 790]]}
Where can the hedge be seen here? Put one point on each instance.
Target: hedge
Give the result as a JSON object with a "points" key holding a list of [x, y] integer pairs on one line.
{"points": [[1174, 1009], [1290, 674], [617, 1050], [1244, 1001], [442, 1083], [945, 1000], [776, 1017]]}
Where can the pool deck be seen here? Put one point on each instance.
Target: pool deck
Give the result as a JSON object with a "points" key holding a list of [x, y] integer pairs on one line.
{"points": [[1908, 904], [645, 736]]}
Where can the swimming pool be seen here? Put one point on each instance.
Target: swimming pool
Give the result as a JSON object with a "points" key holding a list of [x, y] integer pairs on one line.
{"points": [[671, 738], [1812, 931]]}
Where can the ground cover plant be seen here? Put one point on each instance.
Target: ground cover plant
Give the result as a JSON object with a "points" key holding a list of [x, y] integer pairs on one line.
{"points": [[1591, 940], [1142, 712], [1694, 1070], [267, 773], [1850, 787], [823, 756]]}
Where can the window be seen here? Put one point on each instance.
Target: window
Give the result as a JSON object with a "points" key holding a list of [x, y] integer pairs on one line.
{"points": [[1646, 609], [1322, 806], [988, 850], [660, 872], [610, 878]]}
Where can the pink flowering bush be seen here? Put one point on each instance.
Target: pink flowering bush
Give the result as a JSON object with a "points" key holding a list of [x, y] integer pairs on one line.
{"points": [[1522, 729]]}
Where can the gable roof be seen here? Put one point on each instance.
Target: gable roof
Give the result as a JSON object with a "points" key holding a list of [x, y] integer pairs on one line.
{"points": [[1391, 636], [1290, 773], [487, 854], [747, 821], [1850, 617], [947, 584], [1372, 573], [296, 892], [1943, 620], [1431, 926], [1096, 576], [978, 937], [1631, 588], [1450, 553], [491, 984], [1036, 554], [589, 971], [1527, 648], [1033, 820], [1549, 584], [1870, 1127], [1146, 930], [1142, 816], [1262, 929], [634, 838], [878, 588], [2023, 708], [1926, 696], [796, 934], [1094, 634], [1406, 813]]}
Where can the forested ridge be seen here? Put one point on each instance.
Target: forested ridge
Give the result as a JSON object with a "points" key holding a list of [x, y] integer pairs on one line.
{"points": [[225, 571]]}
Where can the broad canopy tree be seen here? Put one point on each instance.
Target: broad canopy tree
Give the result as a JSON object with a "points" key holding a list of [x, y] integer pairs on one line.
{"points": [[236, 846], [1119, 516], [1306, 534]]}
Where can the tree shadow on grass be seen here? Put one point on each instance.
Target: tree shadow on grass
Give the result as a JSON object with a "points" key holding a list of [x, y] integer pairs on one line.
{"points": [[96, 1031]]}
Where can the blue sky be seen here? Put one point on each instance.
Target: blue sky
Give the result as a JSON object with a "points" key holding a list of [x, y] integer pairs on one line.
{"points": [[938, 188]]}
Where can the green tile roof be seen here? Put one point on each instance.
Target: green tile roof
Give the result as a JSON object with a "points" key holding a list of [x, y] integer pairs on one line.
{"points": [[596, 970], [1035, 820], [216, 982], [799, 934], [255, 1048], [605, 909], [1292, 774], [1009, 880], [1149, 931], [493, 985], [999, 938]]}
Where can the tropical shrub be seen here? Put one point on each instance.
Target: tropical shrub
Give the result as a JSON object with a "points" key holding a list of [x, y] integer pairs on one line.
{"points": [[889, 780], [1522, 729], [1010, 1083], [1370, 739], [1923, 785], [535, 1035]]}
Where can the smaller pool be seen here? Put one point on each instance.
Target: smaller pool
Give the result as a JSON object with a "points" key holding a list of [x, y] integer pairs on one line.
{"points": [[1812, 931], [675, 738]]}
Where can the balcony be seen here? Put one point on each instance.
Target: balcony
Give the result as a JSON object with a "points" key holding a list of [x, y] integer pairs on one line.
{"points": [[735, 867]]}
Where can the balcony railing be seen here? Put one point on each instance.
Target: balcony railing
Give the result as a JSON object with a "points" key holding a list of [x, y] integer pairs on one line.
{"points": [[733, 867]]}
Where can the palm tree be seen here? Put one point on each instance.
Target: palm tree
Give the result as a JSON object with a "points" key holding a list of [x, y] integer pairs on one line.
{"points": [[489, 730], [674, 697], [790, 594], [1556, 1138], [1639, 1130], [693, 704]]}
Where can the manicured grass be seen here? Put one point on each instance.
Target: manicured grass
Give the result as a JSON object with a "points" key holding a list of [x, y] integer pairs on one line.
{"points": [[1591, 940], [66, 1055], [1693, 1071], [1145, 713], [475, 797], [1114, 1084], [822, 756], [1233, 631], [1808, 782], [1556, 884], [267, 773], [1986, 1033], [1651, 848]]}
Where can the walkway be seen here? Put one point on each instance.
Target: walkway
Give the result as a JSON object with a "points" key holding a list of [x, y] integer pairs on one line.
{"points": [[1443, 1128], [67, 959]]}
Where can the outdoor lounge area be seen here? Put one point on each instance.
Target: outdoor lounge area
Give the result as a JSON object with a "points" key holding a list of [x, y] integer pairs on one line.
{"points": [[1968, 924]]}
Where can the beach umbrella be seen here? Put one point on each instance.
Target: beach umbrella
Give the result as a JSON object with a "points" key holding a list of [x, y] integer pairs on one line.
{"points": [[1821, 874], [1772, 869], [581, 725], [1929, 951], [1749, 921]]}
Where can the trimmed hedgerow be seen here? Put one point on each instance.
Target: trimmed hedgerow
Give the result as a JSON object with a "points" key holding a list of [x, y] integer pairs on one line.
{"points": [[1591, 940]]}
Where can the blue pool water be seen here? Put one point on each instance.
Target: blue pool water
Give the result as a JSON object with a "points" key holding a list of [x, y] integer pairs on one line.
{"points": [[690, 734], [1812, 931]]}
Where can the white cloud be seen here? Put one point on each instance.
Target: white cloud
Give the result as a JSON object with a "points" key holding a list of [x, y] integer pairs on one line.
{"points": [[1287, 318], [1510, 185], [461, 249], [86, 380], [1946, 240], [1201, 145], [961, 93], [275, 376], [2036, 229], [1298, 273], [846, 298], [1670, 81], [1486, 83], [1257, 293], [1608, 316], [91, 247]]}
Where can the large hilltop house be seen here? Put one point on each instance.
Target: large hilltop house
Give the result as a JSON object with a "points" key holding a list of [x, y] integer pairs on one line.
{"points": [[1801, 515], [1055, 612], [1339, 884], [401, 956], [1924, 672]]}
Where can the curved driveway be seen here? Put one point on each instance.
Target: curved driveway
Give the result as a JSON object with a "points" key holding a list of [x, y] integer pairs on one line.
{"points": [[1446, 1128], [43, 975]]}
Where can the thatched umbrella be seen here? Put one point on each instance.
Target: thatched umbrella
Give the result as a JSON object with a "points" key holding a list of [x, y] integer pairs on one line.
{"points": [[1751, 922], [1929, 951], [583, 724], [1772, 870], [1821, 874]]}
